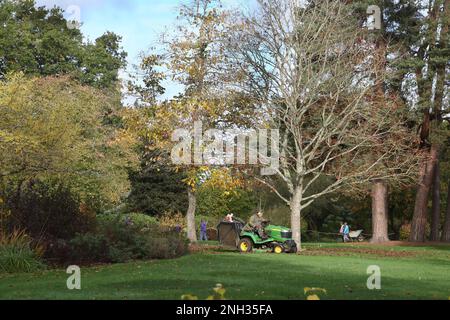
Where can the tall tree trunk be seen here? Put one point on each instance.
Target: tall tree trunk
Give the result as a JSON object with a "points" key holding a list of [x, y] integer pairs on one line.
{"points": [[190, 216], [380, 216], [436, 208], [419, 223], [446, 230], [295, 206], [380, 212]]}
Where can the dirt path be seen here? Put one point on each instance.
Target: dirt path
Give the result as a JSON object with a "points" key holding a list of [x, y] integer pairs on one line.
{"points": [[349, 251], [377, 249]]}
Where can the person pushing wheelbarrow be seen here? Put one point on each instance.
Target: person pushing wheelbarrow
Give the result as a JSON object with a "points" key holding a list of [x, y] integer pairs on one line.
{"points": [[345, 231]]}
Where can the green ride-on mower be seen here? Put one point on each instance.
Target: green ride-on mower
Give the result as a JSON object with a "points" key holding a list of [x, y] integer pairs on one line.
{"points": [[278, 239]]}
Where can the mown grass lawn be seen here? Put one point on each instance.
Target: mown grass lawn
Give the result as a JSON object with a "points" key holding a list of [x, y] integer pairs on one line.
{"points": [[407, 273]]}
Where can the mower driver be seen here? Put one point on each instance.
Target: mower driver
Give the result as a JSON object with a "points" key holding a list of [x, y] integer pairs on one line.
{"points": [[256, 223]]}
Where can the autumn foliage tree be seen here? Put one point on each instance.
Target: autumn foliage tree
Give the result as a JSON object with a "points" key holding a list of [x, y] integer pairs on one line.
{"points": [[191, 57], [56, 130]]}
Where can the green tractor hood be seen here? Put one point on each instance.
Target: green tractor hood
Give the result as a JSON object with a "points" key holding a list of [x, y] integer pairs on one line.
{"points": [[279, 233]]}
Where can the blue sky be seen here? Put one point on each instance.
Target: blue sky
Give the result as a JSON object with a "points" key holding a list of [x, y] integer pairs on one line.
{"points": [[139, 22]]}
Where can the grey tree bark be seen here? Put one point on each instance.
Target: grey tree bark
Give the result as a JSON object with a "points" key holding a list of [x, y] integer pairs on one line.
{"points": [[190, 217], [295, 206], [380, 212]]}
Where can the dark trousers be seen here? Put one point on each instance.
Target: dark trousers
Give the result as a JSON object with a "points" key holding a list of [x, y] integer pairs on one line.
{"points": [[261, 233]]}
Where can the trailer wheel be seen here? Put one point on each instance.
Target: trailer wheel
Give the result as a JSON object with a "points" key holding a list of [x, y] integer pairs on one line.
{"points": [[245, 245]]}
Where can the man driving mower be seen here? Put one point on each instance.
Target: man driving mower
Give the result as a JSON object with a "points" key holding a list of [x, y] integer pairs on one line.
{"points": [[256, 223]]}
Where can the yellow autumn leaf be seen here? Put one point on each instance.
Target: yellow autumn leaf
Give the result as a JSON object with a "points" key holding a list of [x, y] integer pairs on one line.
{"points": [[220, 291], [319, 290], [313, 297], [189, 297], [307, 290]]}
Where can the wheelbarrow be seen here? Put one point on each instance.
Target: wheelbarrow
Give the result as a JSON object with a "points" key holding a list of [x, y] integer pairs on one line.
{"points": [[356, 236]]}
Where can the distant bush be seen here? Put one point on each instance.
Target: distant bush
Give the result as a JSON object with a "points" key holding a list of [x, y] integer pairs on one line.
{"points": [[170, 221], [139, 220], [17, 253], [117, 241], [217, 202], [405, 231], [142, 220], [87, 248], [48, 210]]}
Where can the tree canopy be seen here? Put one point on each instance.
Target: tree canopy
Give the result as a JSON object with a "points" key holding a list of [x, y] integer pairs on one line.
{"points": [[37, 41]]}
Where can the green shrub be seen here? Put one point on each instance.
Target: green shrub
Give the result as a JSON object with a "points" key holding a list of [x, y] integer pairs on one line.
{"points": [[48, 210], [17, 254], [165, 247], [142, 220], [116, 241], [139, 220], [157, 248], [217, 202], [86, 248], [179, 246], [405, 231]]}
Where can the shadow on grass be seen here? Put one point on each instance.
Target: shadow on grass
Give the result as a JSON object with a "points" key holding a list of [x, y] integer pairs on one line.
{"points": [[261, 277], [443, 247]]}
